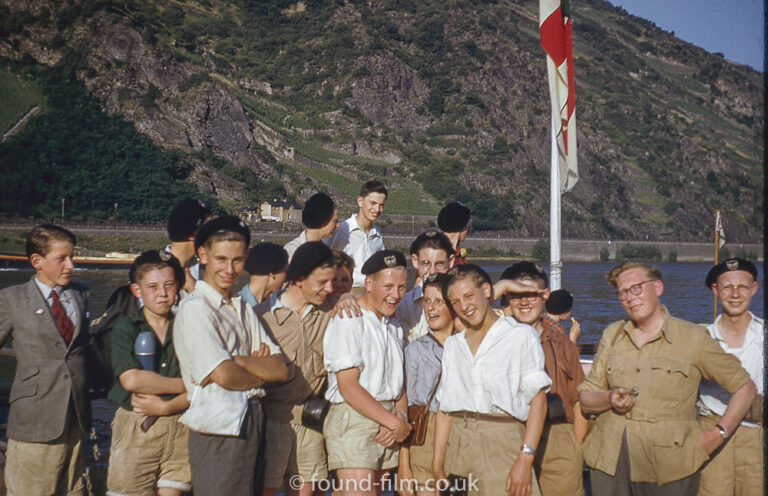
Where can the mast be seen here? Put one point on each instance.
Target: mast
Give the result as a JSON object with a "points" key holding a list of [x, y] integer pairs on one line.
{"points": [[555, 264]]}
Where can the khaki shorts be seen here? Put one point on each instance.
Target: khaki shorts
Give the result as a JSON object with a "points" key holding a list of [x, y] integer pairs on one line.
{"points": [[559, 462], [421, 456], [736, 467], [484, 451], [55, 467], [140, 461], [293, 450], [349, 440]]}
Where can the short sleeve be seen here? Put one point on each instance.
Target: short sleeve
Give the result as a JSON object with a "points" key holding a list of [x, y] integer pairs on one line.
{"points": [[121, 353], [260, 335], [341, 344], [196, 338], [720, 366], [533, 377], [597, 380]]}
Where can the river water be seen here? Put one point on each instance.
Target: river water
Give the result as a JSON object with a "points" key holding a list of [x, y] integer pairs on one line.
{"points": [[595, 307]]}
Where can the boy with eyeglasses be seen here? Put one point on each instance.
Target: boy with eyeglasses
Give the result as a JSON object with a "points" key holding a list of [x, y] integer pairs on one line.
{"points": [[643, 387], [737, 466]]}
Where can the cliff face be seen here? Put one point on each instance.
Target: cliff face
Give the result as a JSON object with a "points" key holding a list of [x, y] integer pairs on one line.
{"points": [[440, 100]]}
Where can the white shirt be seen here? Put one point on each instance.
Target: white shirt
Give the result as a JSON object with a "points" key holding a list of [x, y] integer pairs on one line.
{"points": [[293, 244], [713, 399], [352, 240], [209, 329], [501, 378], [410, 313], [372, 345]]}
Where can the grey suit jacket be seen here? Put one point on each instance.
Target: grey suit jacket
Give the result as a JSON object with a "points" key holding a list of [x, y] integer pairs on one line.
{"points": [[48, 371]]}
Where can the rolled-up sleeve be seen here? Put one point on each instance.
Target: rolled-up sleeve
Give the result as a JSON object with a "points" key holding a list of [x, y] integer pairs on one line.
{"points": [[341, 344]]}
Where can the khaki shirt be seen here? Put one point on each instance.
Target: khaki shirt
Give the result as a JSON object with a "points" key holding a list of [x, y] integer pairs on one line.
{"points": [[301, 339], [662, 430]]}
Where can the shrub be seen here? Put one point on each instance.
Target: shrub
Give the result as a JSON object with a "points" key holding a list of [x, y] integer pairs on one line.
{"points": [[541, 250], [639, 252]]}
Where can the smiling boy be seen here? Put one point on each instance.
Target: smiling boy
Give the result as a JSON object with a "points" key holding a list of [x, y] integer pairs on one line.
{"points": [[47, 320], [225, 356], [358, 236], [144, 461], [491, 393]]}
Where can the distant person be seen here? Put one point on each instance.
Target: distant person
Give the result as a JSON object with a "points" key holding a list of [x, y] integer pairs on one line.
{"points": [[296, 318], [559, 306], [431, 253], [225, 356], [320, 219], [423, 359], [152, 460], [736, 467], [358, 236], [50, 410], [183, 222], [453, 220], [266, 266], [491, 393], [643, 388], [559, 461], [342, 280], [364, 360]]}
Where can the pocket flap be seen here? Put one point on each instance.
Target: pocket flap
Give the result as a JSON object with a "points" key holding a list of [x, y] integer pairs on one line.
{"points": [[27, 373], [671, 365], [22, 390]]}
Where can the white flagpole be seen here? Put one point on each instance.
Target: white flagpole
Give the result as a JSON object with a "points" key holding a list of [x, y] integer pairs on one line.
{"points": [[555, 264]]}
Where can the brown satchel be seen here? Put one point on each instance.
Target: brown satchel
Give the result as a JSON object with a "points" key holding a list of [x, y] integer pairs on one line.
{"points": [[418, 415]]}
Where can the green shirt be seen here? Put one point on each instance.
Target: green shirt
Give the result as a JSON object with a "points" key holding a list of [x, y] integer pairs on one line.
{"points": [[123, 358]]}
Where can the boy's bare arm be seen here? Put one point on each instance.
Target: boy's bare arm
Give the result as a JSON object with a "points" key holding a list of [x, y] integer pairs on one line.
{"points": [[148, 382], [153, 405], [230, 375], [270, 368]]}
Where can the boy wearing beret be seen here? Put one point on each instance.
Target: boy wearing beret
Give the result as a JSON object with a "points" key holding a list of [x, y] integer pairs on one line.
{"points": [[226, 356], [296, 318], [320, 218], [453, 220], [266, 266], [737, 466], [183, 222], [149, 455], [364, 360], [358, 236]]}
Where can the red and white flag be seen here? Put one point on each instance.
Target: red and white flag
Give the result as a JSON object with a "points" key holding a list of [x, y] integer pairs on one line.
{"points": [[555, 32]]}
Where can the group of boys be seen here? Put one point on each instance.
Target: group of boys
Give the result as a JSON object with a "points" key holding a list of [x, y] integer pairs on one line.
{"points": [[230, 404]]}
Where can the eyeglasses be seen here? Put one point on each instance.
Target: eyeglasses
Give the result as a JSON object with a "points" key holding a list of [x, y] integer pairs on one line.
{"points": [[426, 264], [636, 290]]}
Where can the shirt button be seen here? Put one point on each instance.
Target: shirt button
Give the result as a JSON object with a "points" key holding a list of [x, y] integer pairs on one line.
{"points": [[66, 376], [637, 369], [163, 364]]}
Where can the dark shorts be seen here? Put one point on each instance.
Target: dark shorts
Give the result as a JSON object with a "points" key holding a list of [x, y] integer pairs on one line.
{"points": [[225, 464]]}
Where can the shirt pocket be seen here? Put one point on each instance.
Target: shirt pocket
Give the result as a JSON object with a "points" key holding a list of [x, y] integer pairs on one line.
{"points": [[669, 378], [616, 372]]}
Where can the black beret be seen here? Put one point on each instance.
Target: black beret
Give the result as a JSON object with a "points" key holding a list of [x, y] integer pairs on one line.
{"points": [[318, 210], [155, 257], [559, 302], [225, 223], [729, 265], [453, 217], [266, 258], [384, 259], [186, 218], [525, 268], [307, 258]]}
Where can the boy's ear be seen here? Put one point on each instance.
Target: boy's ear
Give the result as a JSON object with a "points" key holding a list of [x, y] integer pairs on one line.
{"points": [[36, 260], [415, 261], [135, 290], [546, 294], [202, 255], [360, 202], [487, 290]]}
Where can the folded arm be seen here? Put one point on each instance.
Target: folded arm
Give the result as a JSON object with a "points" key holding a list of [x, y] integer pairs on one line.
{"points": [[148, 382]]}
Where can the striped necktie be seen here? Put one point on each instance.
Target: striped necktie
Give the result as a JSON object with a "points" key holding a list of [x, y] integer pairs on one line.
{"points": [[60, 316]]}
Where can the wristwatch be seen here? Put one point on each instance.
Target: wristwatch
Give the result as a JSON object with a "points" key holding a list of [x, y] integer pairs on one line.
{"points": [[723, 431], [527, 450]]}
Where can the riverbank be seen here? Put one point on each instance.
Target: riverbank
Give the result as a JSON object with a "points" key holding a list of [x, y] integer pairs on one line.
{"points": [[98, 239]]}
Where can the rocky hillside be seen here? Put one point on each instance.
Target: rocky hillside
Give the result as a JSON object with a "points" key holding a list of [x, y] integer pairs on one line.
{"points": [[440, 99]]}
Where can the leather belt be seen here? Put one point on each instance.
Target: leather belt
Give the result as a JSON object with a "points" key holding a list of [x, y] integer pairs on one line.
{"points": [[483, 416]]}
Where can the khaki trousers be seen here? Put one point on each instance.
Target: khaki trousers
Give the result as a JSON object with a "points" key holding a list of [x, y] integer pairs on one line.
{"points": [[736, 467], [484, 451], [559, 462], [53, 468]]}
